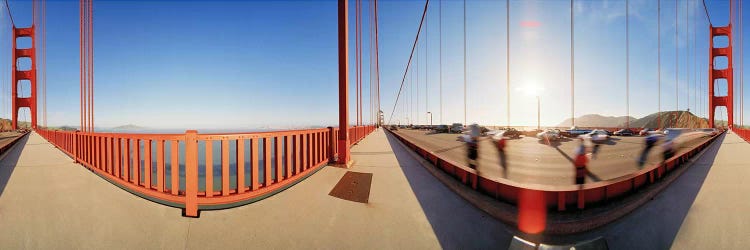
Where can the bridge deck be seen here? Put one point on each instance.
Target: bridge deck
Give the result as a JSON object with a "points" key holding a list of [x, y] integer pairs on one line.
{"points": [[47, 201], [718, 218]]}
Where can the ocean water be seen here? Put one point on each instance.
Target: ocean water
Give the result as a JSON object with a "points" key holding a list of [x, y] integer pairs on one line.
{"points": [[215, 163]]}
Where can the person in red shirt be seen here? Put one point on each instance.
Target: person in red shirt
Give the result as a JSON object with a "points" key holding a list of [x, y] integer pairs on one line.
{"points": [[579, 163]]}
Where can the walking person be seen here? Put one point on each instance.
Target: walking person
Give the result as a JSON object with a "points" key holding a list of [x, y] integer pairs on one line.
{"points": [[501, 142], [668, 150], [580, 162], [472, 144], [650, 143]]}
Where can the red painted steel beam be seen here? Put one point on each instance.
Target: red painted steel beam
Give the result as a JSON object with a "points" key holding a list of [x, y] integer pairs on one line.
{"points": [[343, 28]]}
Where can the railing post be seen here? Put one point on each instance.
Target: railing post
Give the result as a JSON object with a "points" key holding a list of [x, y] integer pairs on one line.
{"points": [[331, 145], [191, 173], [75, 146]]}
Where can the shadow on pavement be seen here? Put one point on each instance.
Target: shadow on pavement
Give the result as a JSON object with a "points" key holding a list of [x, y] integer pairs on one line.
{"points": [[456, 223], [9, 161]]}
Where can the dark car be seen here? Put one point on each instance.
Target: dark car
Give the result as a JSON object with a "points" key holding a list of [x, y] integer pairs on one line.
{"points": [[511, 133], [394, 127], [457, 128], [624, 132], [442, 129]]}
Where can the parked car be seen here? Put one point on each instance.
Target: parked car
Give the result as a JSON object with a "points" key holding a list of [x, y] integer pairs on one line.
{"points": [[624, 132], [483, 130], [597, 136], [549, 134], [457, 128], [508, 133], [442, 129], [574, 132], [645, 131], [650, 131]]}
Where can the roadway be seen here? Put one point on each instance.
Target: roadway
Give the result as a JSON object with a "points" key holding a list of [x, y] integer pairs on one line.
{"points": [[7, 137], [533, 161]]}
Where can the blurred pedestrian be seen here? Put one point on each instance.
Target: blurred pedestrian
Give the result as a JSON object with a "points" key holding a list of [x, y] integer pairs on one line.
{"points": [[580, 162], [668, 149], [472, 144], [501, 143], [650, 143]]}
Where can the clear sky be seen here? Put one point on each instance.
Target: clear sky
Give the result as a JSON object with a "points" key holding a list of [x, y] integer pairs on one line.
{"points": [[244, 64]]}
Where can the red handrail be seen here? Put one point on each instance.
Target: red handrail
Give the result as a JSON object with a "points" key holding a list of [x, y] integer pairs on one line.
{"points": [[742, 133], [165, 168]]}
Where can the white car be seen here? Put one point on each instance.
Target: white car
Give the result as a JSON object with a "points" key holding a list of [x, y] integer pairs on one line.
{"points": [[550, 134], [597, 136]]}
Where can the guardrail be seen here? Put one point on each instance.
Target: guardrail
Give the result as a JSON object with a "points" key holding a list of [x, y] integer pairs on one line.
{"points": [[204, 171], [743, 133], [560, 196]]}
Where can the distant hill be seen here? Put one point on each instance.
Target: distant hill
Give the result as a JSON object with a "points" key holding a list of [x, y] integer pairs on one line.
{"points": [[679, 119], [128, 127], [594, 120]]}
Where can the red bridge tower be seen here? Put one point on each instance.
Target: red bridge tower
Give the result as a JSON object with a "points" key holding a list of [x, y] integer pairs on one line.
{"points": [[715, 74], [30, 75]]}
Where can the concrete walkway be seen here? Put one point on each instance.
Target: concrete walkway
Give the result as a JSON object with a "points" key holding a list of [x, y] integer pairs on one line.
{"points": [[48, 202], [719, 218]]}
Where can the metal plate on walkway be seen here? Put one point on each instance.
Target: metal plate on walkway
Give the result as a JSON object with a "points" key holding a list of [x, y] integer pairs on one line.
{"points": [[353, 186]]}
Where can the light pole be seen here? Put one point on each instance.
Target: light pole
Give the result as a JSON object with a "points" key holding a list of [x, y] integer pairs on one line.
{"points": [[430, 113], [538, 113]]}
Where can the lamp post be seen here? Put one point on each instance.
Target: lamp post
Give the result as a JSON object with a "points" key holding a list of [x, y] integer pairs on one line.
{"points": [[430, 113]]}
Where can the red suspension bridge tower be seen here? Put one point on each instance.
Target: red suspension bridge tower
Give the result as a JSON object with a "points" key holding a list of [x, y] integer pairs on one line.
{"points": [[20, 75], [715, 74]]}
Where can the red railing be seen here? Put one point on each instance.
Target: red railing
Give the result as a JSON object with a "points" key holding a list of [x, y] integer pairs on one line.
{"points": [[204, 171], [743, 133]]}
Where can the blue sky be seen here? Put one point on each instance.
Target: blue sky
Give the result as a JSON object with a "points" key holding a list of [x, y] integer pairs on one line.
{"points": [[244, 64]]}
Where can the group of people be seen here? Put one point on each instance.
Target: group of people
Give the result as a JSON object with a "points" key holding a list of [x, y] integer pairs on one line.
{"points": [[472, 145], [580, 161]]}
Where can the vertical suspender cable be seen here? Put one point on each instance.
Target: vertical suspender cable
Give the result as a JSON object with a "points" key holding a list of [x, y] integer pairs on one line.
{"points": [[82, 62], [688, 58], [426, 70], [369, 91], [377, 62], [676, 64], [44, 58], [658, 64], [91, 60], [507, 60], [572, 68], [742, 68], [358, 72], [416, 93], [465, 62], [627, 63], [440, 60]]}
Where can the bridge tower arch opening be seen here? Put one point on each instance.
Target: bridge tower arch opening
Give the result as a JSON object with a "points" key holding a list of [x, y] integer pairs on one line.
{"points": [[723, 73], [20, 100]]}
